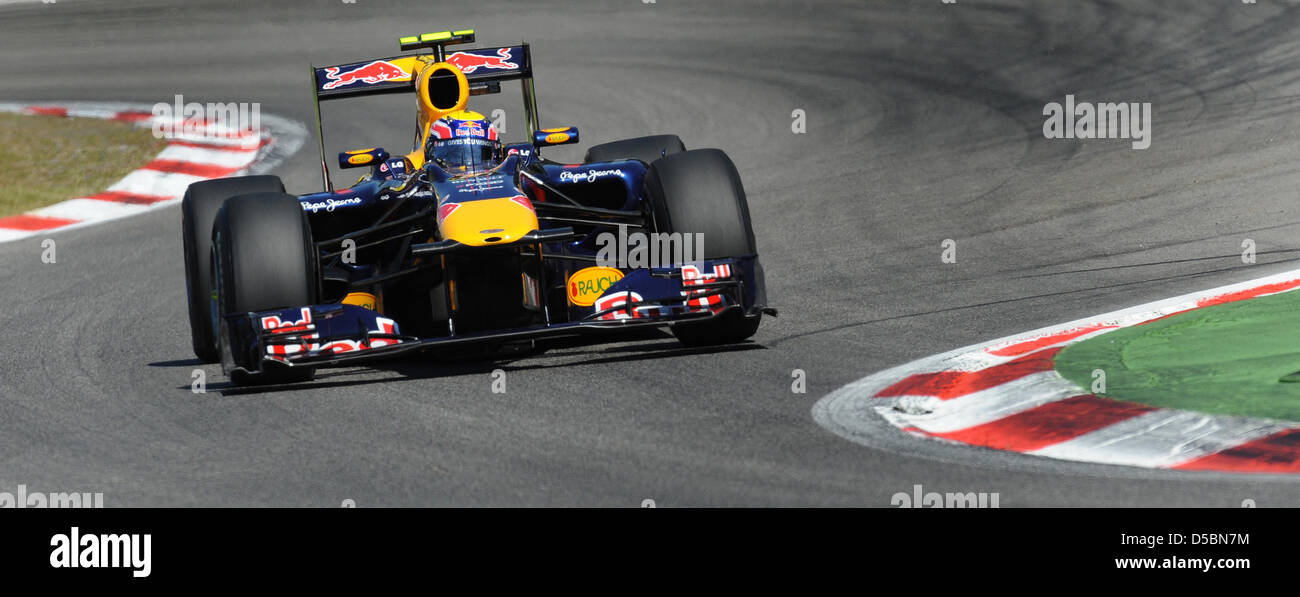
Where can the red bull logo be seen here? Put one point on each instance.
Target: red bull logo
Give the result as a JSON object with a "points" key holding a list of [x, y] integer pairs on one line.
{"points": [[374, 72], [274, 323], [470, 128], [468, 62]]}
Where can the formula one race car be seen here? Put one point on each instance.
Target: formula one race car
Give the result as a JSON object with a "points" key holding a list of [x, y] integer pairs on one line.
{"points": [[465, 241]]}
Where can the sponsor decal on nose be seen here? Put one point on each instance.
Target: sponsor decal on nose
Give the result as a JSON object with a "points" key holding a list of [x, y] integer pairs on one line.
{"points": [[446, 210], [586, 285]]}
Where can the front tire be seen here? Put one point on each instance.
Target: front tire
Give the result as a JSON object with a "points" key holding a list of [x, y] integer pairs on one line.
{"points": [[264, 259], [699, 192], [198, 212]]}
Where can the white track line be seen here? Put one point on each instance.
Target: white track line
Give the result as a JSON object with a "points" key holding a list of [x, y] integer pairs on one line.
{"points": [[90, 209], [153, 182]]}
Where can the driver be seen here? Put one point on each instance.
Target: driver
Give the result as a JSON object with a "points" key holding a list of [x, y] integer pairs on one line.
{"points": [[463, 142]]}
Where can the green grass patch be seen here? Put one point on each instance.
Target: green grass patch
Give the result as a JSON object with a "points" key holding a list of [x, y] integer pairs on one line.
{"points": [[48, 159], [1224, 359]]}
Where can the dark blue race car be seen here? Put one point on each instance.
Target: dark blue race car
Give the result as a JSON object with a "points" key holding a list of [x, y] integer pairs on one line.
{"points": [[466, 241]]}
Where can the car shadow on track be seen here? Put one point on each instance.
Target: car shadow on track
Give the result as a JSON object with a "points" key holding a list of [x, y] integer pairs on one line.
{"points": [[178, 363]]}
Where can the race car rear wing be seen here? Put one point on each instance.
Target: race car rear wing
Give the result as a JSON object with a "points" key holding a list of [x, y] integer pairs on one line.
{"points": [[484, 69]]}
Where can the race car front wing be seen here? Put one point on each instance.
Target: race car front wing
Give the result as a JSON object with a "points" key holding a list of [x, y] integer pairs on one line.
{"points": [[339, 334]]}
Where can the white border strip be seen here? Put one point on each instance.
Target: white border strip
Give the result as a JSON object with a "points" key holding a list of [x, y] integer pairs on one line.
{"points": [[1159, 439], [279, 139]]}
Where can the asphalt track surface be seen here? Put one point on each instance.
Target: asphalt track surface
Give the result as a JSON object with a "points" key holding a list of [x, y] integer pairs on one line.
{"points": [[924, 124]]}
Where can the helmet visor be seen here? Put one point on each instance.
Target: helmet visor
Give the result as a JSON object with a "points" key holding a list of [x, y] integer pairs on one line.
{"points": [[466, 153]]}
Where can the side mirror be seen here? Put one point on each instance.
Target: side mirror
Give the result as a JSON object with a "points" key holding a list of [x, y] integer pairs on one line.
{"points": [[560, 136], [362, 157]]}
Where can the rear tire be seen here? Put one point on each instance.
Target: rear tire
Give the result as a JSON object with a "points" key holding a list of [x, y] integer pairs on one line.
{"points": [[699, 192], [646, 149], [265, 259], [198, 212]]}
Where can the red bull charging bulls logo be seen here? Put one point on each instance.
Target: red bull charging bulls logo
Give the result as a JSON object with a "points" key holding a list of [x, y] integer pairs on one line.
{"points": [[468, 62], [374, 72]]}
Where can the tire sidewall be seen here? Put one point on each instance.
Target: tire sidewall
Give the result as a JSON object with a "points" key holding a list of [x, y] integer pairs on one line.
{"points": [[672, 190], [199, 209], [250, 278]]}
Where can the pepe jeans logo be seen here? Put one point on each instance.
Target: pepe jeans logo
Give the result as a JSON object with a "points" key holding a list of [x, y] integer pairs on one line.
{"points": [[588, 176], [329, 204]]}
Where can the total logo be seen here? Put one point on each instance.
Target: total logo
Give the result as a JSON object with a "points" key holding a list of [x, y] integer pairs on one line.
{"points": [[586, 285]]}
